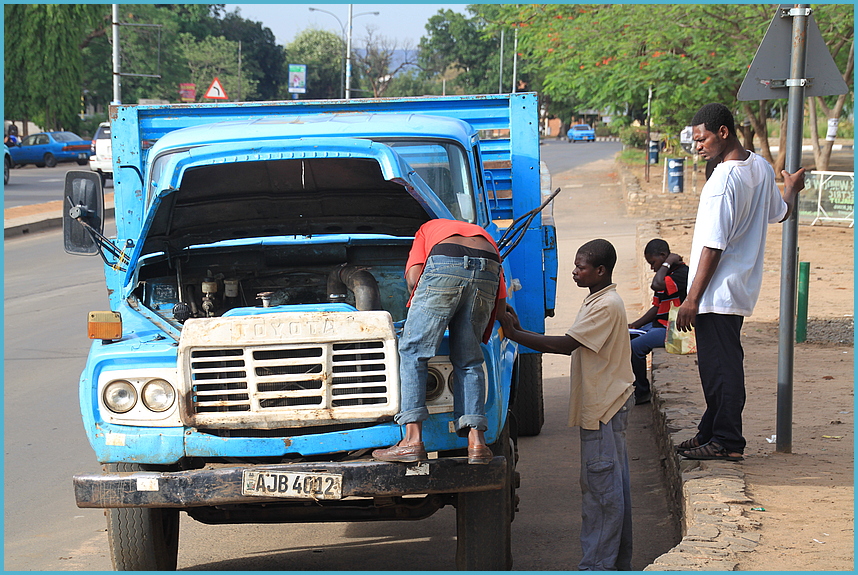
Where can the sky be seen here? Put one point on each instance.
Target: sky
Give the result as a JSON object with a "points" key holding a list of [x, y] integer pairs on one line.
{"points": [[400, 22]]}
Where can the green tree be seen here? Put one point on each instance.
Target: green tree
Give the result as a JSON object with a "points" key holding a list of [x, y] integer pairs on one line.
{"points": [[43, 43], [835, 24], [465, 46], [215, 57], [413, 83], [607, 56], [322, 52], [262, 59]]}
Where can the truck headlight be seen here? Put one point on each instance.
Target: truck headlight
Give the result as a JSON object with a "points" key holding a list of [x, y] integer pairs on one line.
{"points": [[120, 396], [158, 395]]}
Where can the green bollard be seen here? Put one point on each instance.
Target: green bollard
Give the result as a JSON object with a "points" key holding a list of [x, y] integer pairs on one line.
{"points": [[801, 304]]}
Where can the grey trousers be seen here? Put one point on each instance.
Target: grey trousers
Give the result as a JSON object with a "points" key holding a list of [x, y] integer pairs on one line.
{"points": [[606, 505]]}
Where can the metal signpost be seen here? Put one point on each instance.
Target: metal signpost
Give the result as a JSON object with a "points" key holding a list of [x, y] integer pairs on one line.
{"points": [[771, 76]]}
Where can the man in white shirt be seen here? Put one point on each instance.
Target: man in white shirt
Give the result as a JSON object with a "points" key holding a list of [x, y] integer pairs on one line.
{"points": [[737, 203]]}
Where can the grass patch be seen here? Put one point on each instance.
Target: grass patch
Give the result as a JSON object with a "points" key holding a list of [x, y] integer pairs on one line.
{"points": [[633, 156]]}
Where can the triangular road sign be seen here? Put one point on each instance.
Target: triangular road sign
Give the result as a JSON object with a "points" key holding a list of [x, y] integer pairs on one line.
{"points": [[770, 68], [216, 91]]}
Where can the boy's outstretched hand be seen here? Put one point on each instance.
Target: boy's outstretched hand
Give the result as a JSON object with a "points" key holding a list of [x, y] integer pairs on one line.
{"points": [[509, 320]]}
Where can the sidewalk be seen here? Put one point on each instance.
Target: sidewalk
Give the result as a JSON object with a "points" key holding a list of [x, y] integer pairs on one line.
{"points": [[21, 220], [793, 510]]}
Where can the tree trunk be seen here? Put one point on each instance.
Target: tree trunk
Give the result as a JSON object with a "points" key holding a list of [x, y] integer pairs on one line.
{"points": [[780, 161], [759, 127]]}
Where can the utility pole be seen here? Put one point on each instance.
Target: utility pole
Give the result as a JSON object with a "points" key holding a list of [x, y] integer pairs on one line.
{"points": [[648, 125], [500, 71], [239, 70], [514, 59]]}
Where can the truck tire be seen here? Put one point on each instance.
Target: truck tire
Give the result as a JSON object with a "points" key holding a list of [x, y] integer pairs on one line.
{"points": [[483, 518], [142, 539], [529, 408]]}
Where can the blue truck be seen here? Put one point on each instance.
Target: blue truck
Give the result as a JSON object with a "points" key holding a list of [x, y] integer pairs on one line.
{"points": [[248, 366]]}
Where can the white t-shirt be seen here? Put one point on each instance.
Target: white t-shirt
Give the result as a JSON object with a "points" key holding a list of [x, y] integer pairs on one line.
{"points": [[737, 203]]}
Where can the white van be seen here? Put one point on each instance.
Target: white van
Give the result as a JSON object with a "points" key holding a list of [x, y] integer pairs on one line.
{"points": [[101, 160]]}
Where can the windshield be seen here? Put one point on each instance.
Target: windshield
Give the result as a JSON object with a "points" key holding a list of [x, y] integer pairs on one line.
{"points": [[444, 167]]}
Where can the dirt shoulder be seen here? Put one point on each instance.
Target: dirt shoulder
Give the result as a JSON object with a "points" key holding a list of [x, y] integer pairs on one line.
{"points": [[803, 501]]}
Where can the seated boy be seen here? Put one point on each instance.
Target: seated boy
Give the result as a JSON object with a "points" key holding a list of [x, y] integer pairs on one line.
{"points": [[669, 289], [600, 399]]}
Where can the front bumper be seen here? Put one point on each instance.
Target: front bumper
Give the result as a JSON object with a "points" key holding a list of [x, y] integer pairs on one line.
{"points": [[222, 486]]}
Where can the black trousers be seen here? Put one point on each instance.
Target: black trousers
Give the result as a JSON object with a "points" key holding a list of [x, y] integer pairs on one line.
{"points": [[719, 361]]}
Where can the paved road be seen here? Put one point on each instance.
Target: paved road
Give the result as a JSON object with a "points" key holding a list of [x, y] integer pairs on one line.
{"points": [[47, 295], [31, 185]]}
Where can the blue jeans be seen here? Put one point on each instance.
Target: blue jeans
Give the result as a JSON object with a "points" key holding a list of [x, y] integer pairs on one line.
{"points": [[606, 504], [459, 293], [641, 346]]}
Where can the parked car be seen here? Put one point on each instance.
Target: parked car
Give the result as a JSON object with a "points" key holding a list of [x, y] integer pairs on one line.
{"points": [[7, 164], [49, 148], [581, 132], [101, 160]]}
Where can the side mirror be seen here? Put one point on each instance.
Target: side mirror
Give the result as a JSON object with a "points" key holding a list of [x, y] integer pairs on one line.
{"points": [[83, 208]]}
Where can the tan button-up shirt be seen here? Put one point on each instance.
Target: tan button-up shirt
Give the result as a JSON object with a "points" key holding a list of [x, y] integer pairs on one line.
{"points": [[601, 373]]}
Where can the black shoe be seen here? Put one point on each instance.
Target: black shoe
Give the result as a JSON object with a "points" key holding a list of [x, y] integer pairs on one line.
{"points": [[643, 398]]}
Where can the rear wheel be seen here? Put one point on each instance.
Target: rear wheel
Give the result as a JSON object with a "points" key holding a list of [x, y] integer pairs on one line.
{"points": [[529, 407], [142, 539], [483, 518], [82, 162], [50, 160]]}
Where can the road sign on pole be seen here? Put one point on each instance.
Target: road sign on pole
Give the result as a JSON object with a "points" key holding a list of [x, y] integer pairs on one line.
{"points": [[791, 48], [216, 91], [768, 76]]}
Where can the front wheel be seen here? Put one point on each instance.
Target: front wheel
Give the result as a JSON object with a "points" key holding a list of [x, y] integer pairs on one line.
{"points": [[142, 539], [50, 160], [528, 406], [7, 167], [483, 518]]}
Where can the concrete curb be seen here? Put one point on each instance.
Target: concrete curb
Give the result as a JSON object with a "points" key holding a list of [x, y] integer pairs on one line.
{"points": [[44, 217]]}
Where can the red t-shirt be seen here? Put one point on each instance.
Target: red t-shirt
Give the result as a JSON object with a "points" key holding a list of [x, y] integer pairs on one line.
{"points": [[438, 230]]}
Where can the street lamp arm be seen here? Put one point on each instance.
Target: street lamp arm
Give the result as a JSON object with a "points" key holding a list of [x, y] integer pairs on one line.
{"points": [[342, 26]]}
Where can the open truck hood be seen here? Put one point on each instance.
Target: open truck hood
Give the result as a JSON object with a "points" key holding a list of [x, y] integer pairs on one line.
{"points": [[306, 187]]}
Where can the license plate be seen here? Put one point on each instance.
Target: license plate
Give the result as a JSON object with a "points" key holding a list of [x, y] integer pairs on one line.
{"points": [[293, 485], [82, 156]]}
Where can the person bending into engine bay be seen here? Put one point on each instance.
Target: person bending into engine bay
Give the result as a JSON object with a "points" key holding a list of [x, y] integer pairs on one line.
{"points": [[455, 278]]}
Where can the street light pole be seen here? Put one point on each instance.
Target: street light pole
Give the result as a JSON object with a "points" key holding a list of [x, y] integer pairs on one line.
{"points": [[117, 82], [349, 57], [347, 41], [343, 40]]}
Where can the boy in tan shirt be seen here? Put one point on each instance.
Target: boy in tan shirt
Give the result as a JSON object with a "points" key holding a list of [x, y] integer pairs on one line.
{"points": [[601, 396]]}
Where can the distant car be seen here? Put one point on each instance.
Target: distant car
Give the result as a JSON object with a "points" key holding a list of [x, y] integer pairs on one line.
{"points": [[101, 160], [581, 132], [7, 164], [50, 148]]}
